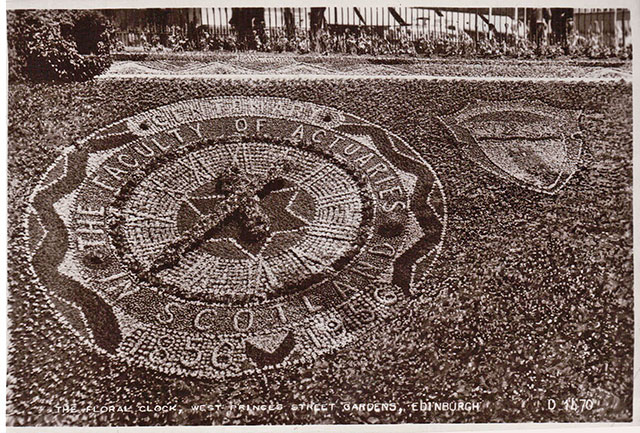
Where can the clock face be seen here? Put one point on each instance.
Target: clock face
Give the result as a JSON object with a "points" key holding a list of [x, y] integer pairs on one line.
{"points": [[222, 236], [277, 217]]}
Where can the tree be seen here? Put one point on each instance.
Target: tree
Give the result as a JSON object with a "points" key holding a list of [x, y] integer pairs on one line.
{"points": [[318, 22], [245, 21], [289, 22]]}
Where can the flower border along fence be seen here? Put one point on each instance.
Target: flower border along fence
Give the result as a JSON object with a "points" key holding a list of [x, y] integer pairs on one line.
{"points": [[520, 32]]}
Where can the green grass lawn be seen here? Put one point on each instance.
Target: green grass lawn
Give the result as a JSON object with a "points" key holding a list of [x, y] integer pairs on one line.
{"points": [[530, 300]]}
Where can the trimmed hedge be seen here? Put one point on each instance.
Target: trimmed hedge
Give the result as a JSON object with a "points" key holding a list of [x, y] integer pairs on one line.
{"points": [[57, 45]]}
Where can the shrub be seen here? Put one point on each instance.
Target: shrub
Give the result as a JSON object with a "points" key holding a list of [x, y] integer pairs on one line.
{"points": [[57, 45]]}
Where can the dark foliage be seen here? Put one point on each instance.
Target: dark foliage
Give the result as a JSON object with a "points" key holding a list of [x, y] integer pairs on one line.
{"points": [[57, 45]]}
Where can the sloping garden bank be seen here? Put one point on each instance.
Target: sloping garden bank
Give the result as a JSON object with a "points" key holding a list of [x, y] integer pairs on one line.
{"points": [[531, 299]]}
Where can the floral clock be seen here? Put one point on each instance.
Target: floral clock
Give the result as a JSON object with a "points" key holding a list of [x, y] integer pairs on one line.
{"points": [[221, 236]]}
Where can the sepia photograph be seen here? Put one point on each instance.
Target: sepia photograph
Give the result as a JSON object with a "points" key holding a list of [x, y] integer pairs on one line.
{"points": [[332, 215]]}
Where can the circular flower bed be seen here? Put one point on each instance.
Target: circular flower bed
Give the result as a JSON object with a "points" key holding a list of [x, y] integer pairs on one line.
{"points": [[216, 237]]}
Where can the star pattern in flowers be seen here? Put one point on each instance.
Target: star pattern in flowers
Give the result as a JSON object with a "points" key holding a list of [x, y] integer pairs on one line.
{"points": [[272, 202]]}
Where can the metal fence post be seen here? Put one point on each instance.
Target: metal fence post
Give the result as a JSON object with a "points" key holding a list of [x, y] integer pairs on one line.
{"points": [[622, 25], [614, 28], [477, 31], [490, 36]]}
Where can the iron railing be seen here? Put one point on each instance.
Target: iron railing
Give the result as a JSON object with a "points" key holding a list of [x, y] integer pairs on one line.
{"points": [[506, 25]]}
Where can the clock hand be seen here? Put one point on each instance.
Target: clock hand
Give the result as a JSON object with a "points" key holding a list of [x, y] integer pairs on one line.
{"points": [[172, 252], [200, 231]]}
